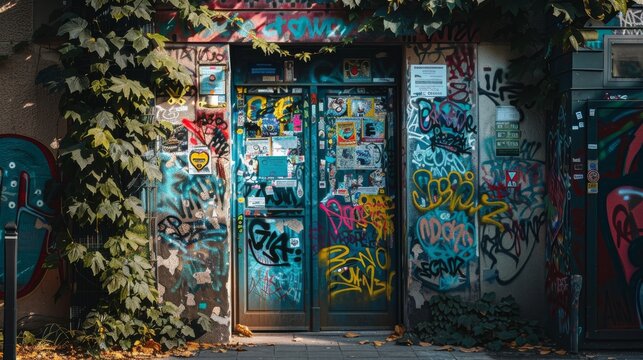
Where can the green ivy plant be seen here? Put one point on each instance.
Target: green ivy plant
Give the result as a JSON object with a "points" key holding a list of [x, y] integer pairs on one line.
{"points": [[481, 323], [111, 67]]}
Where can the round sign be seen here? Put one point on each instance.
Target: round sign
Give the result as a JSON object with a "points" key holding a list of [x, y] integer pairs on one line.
{"points": [[593, 176]]}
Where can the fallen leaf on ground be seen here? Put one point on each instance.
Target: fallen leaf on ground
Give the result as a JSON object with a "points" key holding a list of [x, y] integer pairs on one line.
{"points": [[561, 352], [351, 335], [378, 343], [222, 351], [192, 346], [470, 350], [243, 330], [363, 342], [399, 330], [545, 352], [392, 337], [445, 348], [425, 344]]}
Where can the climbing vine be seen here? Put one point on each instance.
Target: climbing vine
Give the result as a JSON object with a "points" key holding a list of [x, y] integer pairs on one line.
{"points": [[110, 69]]}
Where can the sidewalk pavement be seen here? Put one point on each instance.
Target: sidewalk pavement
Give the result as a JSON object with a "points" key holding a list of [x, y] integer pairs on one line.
{"points": [[332, 345]]}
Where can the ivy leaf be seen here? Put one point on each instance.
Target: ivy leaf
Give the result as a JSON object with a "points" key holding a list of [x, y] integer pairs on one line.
{"points": [[139, 42], [158, 39], [132, 303], [132, 204], [95, 261], [101, 137], [97, 4], [76, 28], [104, 119], [82, 160], [75, 251], [77, 84], [153, 173], [205, 322]]}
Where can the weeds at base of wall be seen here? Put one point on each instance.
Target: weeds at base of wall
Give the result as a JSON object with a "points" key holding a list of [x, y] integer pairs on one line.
{"points": [[484, 322]]}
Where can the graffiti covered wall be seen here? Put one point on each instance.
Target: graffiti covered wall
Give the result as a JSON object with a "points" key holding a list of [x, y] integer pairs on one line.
{"points": [[512, 252], [475, 210], [192, 215], [28, 179], [441, 164]]}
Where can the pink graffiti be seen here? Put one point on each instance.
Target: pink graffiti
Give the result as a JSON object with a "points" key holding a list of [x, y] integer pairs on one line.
{"points": [[340, 215]]}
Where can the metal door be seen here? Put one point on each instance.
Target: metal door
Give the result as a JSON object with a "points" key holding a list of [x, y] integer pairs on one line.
{"points": [[615, 219], [356, 205], [272, 200]]}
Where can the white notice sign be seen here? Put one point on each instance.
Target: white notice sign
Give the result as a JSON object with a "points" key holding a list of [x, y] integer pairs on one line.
{"points": [[429, 80]]}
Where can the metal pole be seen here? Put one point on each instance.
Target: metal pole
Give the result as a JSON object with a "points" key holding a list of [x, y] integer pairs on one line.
{"points": [[576, 285], [10, 290]]}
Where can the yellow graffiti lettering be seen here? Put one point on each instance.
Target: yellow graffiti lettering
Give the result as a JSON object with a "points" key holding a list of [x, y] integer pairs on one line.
{"points": [[283, 107], [454, 191], [500, 208], [368, 272], [377, 210], [255, 104]]}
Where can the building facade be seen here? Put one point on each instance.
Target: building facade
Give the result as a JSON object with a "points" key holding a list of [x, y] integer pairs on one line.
{"points": [[344, 192]]}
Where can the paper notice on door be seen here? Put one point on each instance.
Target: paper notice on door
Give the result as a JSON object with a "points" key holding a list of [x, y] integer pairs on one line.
{"points": [[256, 201]]}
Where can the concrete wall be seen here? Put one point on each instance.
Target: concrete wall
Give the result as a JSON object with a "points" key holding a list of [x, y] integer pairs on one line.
{"points": [[469, 231], [512, 255], [29, 112], [193, 208]]}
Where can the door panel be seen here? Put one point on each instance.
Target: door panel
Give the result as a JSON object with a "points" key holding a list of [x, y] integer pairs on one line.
{"points": [[615, 199], [273, 254], [356, 195]]}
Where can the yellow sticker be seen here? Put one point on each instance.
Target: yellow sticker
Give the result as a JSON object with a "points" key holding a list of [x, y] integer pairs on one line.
{"points": [[330, 141], [241, 199], [239, 131]]}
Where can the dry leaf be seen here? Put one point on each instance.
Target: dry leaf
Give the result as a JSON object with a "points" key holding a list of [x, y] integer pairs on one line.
{"points": [[425, 344], [363, 342], [522, 349], [378, 343], [222, 351], [392, 337], [445, 348], [153, 345], [351, 335], [469, 350], [399, 330], [545, 352], [243, 330], [561, 352]]}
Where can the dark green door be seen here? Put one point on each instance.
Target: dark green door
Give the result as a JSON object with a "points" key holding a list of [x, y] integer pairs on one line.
{"points": [[356, 201], [316, 204], [272, 202]]}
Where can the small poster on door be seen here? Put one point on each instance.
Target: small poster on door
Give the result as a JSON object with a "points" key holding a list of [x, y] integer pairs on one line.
{"points": [[372, 130], [337, 106], [199, 161], [369, 156], [361, 107], [281, 145], [257, 146], [346, 133], [346, 158], [357, 70]]}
